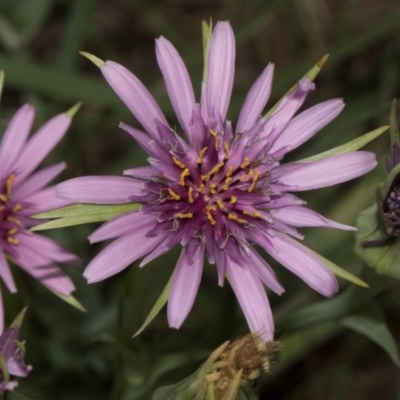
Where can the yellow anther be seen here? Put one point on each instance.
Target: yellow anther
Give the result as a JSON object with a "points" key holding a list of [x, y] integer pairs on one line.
{"points": [[226, 148], [187, 216], [16, 208], [201, 188], [253, 184], [173, 195], [233, 200], [214, 134], [246, 176], [201, 155], [12, 231], [211, 208], [230, 171], [216, 168], [254, 214], [221, 204], [233, 217], [180, 164], [15, 220], [184, 174], [213, 189], [228, 180], [12, 240], [2, 208], [9, 183], [190, 195], [210, 218], [3, 198], [245, 163]]}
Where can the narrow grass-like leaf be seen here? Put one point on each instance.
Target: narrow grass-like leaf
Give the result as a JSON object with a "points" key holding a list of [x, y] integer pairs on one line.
{"points": [[370, 322], [207, 32], [394, 128], [19, 318], [353, 145], [1, 81], [71, 300]]}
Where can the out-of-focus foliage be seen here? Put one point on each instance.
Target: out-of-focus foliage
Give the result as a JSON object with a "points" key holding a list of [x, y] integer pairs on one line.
{"points": [[83, 356]]}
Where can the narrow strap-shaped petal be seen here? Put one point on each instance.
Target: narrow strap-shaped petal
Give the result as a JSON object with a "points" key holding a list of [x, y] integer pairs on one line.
{"points": [[5, 274], [1, 316], [15, 137], [38, 180], [252, 299], [121, 253], [135, 96], [145, 173], [256, 100], [185, 284], [301, 261], [327, 172], [221, 71], [40, 144], [177, 81], [307, 124], [303, 216], [99, 189], [17, 367]]}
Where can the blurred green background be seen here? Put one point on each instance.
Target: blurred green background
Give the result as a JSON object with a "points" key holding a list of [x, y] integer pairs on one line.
{"points": [[88, 356]]}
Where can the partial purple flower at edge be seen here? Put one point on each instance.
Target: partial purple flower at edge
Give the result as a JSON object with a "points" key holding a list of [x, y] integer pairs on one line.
{"points": [[23, 194], [221, 191]]}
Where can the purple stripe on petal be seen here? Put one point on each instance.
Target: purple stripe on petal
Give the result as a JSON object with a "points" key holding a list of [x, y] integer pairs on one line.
{"points": [[40, 144], [185, 284], [307, 124], [178, 83], [252, 299], [99, 189], [121, 253], [221, 69], [135, 96], [327, 172], [6, 276], [303, 216], [301, 261], [38, 180], [15, 137], [256, 100]]}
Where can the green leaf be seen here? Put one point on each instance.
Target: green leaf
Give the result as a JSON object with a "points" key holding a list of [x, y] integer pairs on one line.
{"points": [[82, 214], [15, 396], [161, 301], [207, 33], [370, 322], [394, 128], [71, 300], [19, 318], [1, 81], [311, 75], [353, 145], [338, 271]]}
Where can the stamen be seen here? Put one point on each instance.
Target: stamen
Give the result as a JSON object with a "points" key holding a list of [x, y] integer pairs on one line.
{"points": [[3, 198], [213, 188], [245, 162], [183, 216], [254, 214], [210, 218], [211, 208], [216, 168], [214, 134], [221, 204], [233, 217], [16, 208], [15, 220], [230, 171], [190, 195], [253, 184], [226, 148], [201, 155], [12, 231], [2, 208], [247, 176], [173, 194], [9, 183], [180, 164], [12, 240], [228, 180], [184, 174], [233, 200], [201, 188]]}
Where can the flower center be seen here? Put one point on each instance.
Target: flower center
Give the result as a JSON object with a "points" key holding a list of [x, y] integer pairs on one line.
{"points": [[9, 222]]}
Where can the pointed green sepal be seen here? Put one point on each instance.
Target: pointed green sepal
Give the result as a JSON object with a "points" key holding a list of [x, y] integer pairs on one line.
{"points": [[394, 128], [207, 33], [71, 300], [353, 145], [1, 81], [19, 318], [95, 60], [73, 110], [311, 75], [82, 214], [342, 273]]}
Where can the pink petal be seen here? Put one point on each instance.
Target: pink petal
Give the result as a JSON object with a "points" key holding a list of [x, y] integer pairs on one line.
{"points": [[44, 200], [185, 285], [6, 276], [327, 172], [99, 189], [177, 80]]}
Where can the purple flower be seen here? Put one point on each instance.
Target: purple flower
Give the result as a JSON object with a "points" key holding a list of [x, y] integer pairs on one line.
{"points": [[11, 359], [22, 194], [223, 190]]}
